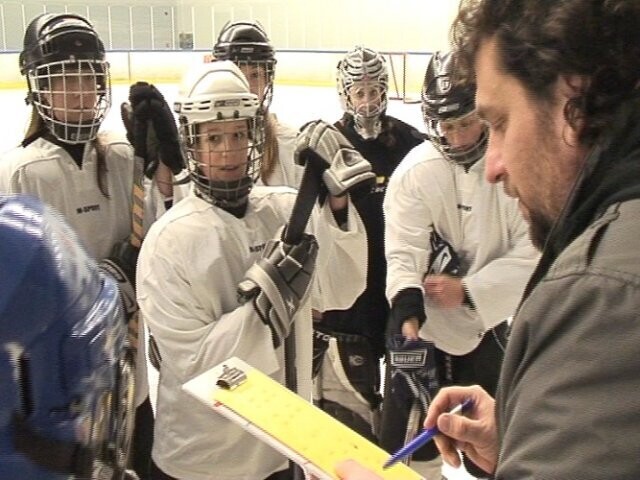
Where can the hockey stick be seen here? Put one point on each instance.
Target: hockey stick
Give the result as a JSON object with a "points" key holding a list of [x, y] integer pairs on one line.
{"points": [[137, 215], [305, 200], [413, 425], [302, 208]]}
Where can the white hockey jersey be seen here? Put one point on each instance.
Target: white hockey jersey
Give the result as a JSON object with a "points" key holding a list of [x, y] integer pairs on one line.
{"points": [[47, 171], [191, 263], [482, 224]]}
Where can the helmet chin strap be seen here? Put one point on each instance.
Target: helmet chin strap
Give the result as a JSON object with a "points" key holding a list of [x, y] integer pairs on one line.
{"points": [[367, 127]]}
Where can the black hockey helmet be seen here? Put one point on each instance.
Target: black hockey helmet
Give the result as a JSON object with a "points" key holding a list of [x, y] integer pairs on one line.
{"points": [[243, 40], [245, 43], [65, 46], [444, 100], [58, 37]]}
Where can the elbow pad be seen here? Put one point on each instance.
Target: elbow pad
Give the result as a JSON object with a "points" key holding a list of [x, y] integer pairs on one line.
{"points": [[278, 282]]}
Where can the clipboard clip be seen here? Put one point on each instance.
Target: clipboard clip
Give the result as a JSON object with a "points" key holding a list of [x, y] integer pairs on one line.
{"points": [[231, 378]]}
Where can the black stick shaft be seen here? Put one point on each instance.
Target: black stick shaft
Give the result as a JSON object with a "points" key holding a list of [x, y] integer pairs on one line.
{"points": [[302, 208], [306, 199]]}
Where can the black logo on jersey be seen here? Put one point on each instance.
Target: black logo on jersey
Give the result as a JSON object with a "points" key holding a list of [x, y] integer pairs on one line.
{"points": [[257, 248], [88, 208], [464, 208]]}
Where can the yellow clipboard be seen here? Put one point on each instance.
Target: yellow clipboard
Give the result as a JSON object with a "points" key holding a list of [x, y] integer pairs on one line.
{"points": [[296, 428]]}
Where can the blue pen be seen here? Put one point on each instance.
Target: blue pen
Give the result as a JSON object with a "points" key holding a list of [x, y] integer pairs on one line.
{"points": [[422, 438]]}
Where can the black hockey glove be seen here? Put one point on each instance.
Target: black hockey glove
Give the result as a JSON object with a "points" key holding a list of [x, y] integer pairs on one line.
{"points": [[443, 258], [151, 129], [278, 282], [345, 167], [413, 371], [121, 265]]}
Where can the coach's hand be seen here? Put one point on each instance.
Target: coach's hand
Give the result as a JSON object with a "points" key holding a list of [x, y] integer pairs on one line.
{"points": [[474, 433], [352, 470]]}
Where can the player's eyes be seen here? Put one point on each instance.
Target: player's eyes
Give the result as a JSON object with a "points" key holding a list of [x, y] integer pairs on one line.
{"points": [[214, 138]]}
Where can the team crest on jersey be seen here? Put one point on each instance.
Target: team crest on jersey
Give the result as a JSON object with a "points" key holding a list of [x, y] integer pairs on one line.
{"points": [[380, 185], [356, 360], [257, 248]]}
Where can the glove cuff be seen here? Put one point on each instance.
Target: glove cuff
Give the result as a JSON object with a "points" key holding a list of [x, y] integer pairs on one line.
{"points": [[408, 303]]}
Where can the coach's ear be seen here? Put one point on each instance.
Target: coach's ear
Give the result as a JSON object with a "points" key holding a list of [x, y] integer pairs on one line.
{"points": [[570, 88]]}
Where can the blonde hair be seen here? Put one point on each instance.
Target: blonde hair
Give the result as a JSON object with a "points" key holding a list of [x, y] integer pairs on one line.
{"points": [[271, 153], [36, 125]]}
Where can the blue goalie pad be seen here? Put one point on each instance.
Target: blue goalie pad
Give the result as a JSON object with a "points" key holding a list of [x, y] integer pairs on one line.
{"points": [[63, 354]]}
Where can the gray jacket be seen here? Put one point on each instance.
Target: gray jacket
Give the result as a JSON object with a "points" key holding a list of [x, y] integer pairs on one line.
{"points": [[568, 405]]}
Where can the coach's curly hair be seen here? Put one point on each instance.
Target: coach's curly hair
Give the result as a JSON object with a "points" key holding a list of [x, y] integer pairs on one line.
{"points": [[542, 39]]}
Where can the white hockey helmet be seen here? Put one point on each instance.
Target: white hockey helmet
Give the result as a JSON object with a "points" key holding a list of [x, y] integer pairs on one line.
{"points": [[363, 82], [63, 51], [218, 92]]}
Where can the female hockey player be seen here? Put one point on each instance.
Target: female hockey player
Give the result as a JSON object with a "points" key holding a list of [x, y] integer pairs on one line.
{"points": [[220, 240], [85, 175], [348, 344], [246, 44]]}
